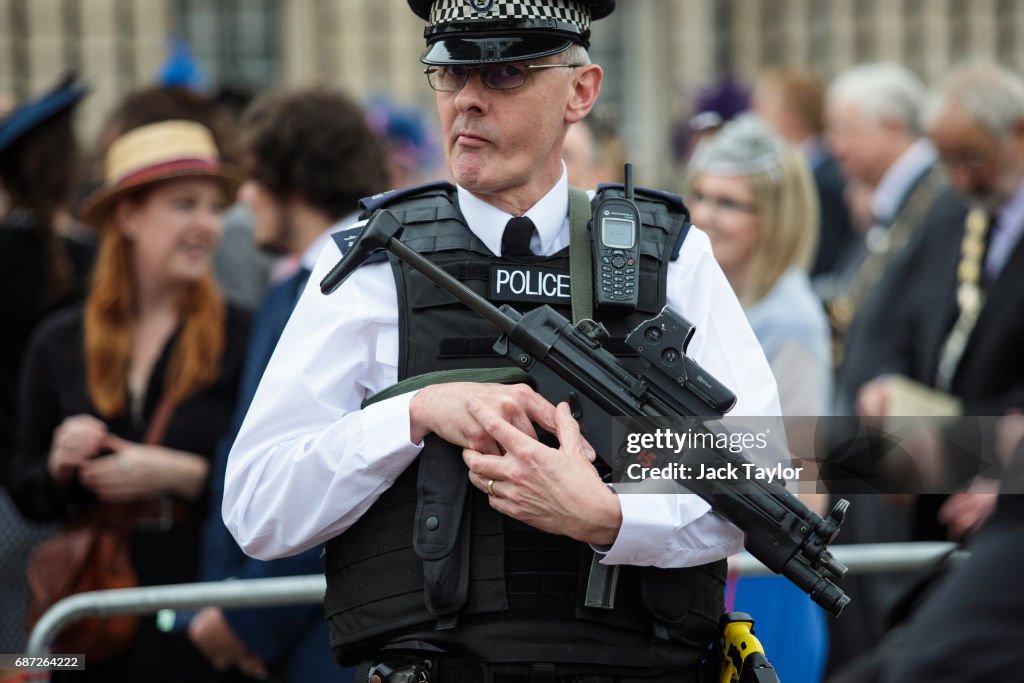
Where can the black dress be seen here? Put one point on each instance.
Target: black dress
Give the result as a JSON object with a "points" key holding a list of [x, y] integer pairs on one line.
{"points": [[53, 388]]}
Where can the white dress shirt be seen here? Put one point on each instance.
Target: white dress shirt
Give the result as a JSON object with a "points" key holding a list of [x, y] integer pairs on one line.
{"points": [[307, 462]]}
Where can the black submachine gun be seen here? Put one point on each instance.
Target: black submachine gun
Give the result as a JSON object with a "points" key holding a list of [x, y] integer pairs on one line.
{"points": [[567, 363]]}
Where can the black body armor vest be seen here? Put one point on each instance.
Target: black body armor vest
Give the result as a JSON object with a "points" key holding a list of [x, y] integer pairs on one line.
{"points": [[431, 562]]}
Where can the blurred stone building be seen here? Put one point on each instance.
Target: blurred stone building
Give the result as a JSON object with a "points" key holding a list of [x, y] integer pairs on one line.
{"points": [[657, 53]]}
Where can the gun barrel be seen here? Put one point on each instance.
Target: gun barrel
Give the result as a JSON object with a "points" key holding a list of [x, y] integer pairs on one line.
{"points": [[829, 596]]}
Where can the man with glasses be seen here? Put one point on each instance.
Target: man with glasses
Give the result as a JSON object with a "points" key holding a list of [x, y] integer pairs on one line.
{"points": [[961, 280], [457, 544]]}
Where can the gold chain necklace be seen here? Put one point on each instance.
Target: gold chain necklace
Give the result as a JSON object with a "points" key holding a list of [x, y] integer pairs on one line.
{"points": [[970, 295]]}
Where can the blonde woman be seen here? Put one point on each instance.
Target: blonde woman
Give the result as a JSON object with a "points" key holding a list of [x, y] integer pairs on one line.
{"points": [[752, 193], [754, 196], [123, 400]]}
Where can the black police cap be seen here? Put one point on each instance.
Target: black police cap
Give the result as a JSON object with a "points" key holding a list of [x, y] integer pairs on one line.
{"points": [[482, 31]]}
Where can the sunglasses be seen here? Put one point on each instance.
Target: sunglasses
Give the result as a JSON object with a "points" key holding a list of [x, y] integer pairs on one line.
{"points": [[495, 76]]}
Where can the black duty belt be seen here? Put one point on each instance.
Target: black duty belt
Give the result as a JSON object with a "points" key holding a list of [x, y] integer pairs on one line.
{"points": [[455, 670]]}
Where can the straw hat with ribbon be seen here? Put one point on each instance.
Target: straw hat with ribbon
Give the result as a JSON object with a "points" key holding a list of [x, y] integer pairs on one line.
{"points": [[151, 154]]}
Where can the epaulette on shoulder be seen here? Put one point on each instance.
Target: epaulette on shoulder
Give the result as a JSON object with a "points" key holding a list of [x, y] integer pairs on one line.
{"points": [[679, 242], [346, 238], [377, 201]]}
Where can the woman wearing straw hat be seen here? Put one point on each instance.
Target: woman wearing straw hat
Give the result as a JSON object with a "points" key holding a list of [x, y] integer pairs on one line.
{"points": [[124, 400]]}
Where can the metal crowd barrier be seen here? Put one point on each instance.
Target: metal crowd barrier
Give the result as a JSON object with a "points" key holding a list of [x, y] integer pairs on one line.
{"points": [[293, 590]]}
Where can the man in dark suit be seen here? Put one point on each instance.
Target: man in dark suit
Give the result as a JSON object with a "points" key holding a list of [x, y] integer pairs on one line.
{"points": [[309, 156], [872, 121], [961, 322], [961, 286], [960, 293]]}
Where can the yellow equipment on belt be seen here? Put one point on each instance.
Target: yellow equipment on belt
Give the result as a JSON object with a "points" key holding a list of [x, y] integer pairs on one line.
{"points": [[741, 654]]}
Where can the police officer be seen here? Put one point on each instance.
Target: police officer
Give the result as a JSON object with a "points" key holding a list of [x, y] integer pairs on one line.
{"points": [[453, 535]]}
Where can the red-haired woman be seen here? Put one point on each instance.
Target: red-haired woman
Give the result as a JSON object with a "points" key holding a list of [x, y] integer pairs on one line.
{"points": [[154, 345]]}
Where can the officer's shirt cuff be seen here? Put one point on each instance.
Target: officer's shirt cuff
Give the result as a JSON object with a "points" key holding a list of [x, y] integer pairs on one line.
{"points": [[387, 433], [670, 531]]}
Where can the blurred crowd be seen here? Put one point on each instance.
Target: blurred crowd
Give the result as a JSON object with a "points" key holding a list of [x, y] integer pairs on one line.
{"points": [[870, 226]]}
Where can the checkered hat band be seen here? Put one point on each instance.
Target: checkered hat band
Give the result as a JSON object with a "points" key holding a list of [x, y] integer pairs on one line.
{"points": [[447, 11]]}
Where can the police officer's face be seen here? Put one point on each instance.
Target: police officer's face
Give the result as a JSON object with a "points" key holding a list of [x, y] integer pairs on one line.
{"points": [[506, 144]]}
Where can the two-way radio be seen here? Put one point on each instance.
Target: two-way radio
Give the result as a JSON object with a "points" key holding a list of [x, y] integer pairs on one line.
{"points": [[615, 237]]}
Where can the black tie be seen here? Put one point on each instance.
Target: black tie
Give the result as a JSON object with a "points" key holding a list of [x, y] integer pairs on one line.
{"points": [[516, 240]]}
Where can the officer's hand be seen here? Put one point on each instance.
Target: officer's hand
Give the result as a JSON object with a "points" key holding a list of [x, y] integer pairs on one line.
{"points": [[441, 409], [557, 491]]}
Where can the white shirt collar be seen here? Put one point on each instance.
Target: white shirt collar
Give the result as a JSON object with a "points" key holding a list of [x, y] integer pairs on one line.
{"points": [[549, 215], [898, 180], [312, 253]]}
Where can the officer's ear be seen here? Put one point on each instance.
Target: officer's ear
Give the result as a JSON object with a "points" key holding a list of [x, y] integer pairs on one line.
{"points": [[586, 86]]}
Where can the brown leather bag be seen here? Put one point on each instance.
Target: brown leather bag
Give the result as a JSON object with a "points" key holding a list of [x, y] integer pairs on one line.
{"points": [[87, 556], [92, 553]]}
